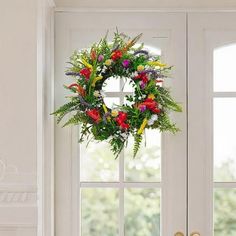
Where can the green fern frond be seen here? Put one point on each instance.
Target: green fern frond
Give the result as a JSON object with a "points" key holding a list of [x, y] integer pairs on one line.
{"points": [[137, 143], [65, 109]]}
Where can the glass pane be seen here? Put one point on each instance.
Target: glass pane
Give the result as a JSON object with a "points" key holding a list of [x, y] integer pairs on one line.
{"points": [[129, 85], [146, 166], [126, 102], [99, 213], [142, 212], [225, 212], [97, 162], [111, 84], [225, 68], [111, 102], [224, 139]]}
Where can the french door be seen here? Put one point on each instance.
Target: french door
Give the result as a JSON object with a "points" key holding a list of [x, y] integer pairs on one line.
{"points": [[183, 184], [96, 194], [211, 123]]}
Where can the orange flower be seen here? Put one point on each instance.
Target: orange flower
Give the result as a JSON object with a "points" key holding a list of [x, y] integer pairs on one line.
{"points": [[93, 55], [79, 89]]}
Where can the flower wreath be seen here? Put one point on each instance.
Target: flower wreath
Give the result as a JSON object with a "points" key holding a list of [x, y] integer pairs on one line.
{"points": [[150, 103]]}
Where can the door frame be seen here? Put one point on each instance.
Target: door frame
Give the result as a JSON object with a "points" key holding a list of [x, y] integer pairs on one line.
{"points": [[45, 122]]}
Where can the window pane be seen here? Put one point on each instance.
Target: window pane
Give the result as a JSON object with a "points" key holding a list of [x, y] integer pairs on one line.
{"points": [[99, 214], [146, 166], [111, 84], [111, 102], [129, 85], [225, 212], [224, 139], [225, 68], [142, 212], [97, 162]]}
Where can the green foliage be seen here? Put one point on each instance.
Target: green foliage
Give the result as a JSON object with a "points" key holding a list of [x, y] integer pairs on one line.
{"points": [[137, 142], [65, 109]]}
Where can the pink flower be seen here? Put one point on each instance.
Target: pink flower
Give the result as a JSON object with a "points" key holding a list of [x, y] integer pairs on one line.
{"points": [[100, 58], [142, 84], [142, 108], [126, 63]]}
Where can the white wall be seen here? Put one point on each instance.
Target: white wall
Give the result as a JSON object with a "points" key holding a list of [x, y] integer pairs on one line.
{"points": [[18, 117], [147, 3], [26, 128]]}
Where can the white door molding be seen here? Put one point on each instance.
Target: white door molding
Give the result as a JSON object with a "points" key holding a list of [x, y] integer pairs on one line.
{"points": [[45, 122]]}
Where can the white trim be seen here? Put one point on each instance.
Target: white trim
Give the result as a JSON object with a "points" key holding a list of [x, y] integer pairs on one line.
{"points": [[45, 124], [29, 188], [39, 118], [16, 226], [51, 3], [224, 94], [158, 10], [120, 185], [225, 185]]}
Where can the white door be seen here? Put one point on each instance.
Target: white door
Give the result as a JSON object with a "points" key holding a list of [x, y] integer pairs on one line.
{"points": [[212, 123], [96, 194]]}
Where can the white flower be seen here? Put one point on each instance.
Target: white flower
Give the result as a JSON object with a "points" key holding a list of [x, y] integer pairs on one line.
{"points": [[150, 122], [96, 93], [134, 74], [154, 117], [124, 135]]}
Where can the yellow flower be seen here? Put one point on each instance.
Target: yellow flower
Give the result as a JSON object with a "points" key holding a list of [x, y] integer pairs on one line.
{"points": [[108, 62], [140, 68], [156, 63], [105, 110], [95, 80], [143, 125], [151, 95], [114, 113], [87, 64]]}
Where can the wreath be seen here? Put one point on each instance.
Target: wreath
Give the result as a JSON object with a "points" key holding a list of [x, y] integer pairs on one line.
{"points": [[148, 106]]}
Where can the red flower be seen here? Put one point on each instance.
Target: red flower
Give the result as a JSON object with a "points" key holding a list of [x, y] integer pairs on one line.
{"points": [[122, 117], [151, 104], [94, 114], [124, 126], [86, 72], [117, 54], [142, 76]]}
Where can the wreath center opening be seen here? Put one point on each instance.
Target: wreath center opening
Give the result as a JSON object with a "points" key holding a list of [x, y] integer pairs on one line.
{"points": [[117, 91]]}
